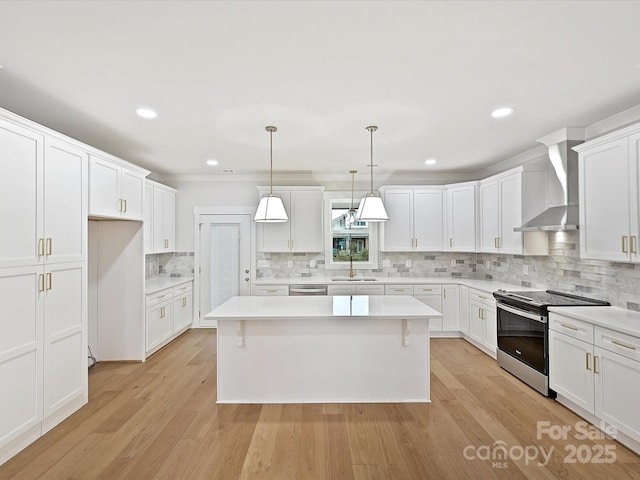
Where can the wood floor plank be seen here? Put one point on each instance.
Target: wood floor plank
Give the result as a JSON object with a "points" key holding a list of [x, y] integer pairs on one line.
{"points": [[159, 420]]}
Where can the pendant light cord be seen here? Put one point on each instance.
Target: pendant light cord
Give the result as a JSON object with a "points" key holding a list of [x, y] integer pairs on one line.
{"points": [[372, 128], [271, 129]]}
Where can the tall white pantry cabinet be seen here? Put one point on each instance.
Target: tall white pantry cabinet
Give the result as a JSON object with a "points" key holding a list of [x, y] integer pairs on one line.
{"points": [[43, 281]]}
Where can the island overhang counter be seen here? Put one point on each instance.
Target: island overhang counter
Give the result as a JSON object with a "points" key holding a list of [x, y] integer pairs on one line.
{"points": [[359, 348]]}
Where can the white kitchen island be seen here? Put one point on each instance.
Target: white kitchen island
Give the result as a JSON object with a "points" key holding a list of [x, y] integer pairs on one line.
{"points": [[323, 349]]}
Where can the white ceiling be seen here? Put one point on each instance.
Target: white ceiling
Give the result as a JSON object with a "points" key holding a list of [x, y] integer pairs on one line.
{"points": [[427, 73]]}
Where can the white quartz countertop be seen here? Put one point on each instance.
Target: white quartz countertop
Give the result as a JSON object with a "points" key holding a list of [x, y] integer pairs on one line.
{"points": [[614, 318], [266, 307], [488, 286], [155, 284]]}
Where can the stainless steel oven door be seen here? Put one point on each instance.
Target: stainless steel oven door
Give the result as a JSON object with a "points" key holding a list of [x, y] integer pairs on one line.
{"points": [[524, 336]]}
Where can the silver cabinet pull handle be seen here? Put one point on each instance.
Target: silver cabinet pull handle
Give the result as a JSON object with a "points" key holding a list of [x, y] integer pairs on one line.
{"points": [[588, 359], [595, 364], [624, 244], [569, 327], [49, 245]]}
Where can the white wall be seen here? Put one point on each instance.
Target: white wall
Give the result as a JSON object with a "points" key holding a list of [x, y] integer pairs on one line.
{"points": [[207, 194]]}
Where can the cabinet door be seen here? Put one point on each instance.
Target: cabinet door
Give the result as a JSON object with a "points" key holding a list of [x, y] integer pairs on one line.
{"points": [[20, 351], [65, 347], [21, 156], [148, 219], [510, 201], [104, 188], [169, 219], [477, 326], [570, 369], [428, 220], [634, 190], [464, 309], [152, 328], [276, 237], [161, 200], [491, 325], [605, 182], [165, 320], [617, 390], [397, 233], [182, 311], [132, 194], [65, 202], [435, 302], [341, 290], [461, 213], [306, 221], [489, 217], [450, 308]]}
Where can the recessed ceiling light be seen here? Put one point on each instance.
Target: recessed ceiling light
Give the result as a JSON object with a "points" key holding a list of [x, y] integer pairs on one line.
{"points": [[212, 162], [430, 161], [502, 112], [145, 112]]}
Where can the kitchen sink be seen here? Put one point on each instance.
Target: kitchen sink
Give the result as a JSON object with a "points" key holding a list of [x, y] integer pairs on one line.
{"points": [[355, 279]]}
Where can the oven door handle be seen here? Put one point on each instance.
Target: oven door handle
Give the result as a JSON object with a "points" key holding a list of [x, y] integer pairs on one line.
{"points": [[522, 313]]}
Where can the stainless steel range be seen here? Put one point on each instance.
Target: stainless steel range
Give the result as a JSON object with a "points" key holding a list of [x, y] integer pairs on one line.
{"points": [[523, 332]]}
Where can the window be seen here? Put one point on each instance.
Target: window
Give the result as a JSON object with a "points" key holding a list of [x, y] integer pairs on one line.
{"points": [[348, 241]]}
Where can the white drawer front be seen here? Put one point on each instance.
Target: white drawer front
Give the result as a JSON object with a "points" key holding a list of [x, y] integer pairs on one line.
{"points": [[158, 297], [272, 290], [398, 289], [181, 289], [572, 327], [619, 343], [369, 289], [341, 290], [427, 289]]}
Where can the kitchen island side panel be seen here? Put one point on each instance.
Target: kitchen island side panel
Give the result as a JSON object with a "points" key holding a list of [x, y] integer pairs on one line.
{"points": [[301, 360]]}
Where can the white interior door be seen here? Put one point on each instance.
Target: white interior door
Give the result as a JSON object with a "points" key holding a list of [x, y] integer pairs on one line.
{"points": [[225, 269]]}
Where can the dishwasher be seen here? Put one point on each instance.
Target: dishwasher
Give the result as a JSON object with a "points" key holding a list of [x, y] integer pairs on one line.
{"points": [[307, 289]]}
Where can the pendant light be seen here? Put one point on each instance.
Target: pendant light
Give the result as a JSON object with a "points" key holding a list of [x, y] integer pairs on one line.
{"points": [[271, 209], [351, 215], [371, 208]]}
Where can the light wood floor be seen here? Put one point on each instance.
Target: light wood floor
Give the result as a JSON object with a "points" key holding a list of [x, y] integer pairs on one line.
{"points": [[159, 420]]}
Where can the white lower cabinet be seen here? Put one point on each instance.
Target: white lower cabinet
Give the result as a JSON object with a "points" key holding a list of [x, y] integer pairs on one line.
{"points": [[596, 372], [168, 313], [464, 309], [43, 360], [483, 328], [431, 295], [182, 307]]}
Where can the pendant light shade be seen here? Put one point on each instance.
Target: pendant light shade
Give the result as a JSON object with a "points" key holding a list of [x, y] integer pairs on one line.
{"points": [[371, 208], [270, 209]]}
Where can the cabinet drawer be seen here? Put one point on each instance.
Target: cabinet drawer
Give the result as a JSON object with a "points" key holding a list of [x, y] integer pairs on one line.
{"points": [[427, 289], [617, 342], [398, 289], [341, 290], [478, 296], [272, 290], [369, 289], [182, 289], [161, 296], [571, 327]]}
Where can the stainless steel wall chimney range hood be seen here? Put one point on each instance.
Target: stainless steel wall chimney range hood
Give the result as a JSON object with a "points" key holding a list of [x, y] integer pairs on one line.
{"points": [[564, 215]]}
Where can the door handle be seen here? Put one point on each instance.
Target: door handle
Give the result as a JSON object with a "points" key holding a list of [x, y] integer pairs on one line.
{"points": [[624, 244], [41, 283], [634, 249], [49, 245], [41, 247], [595, 365], [49, 281]]}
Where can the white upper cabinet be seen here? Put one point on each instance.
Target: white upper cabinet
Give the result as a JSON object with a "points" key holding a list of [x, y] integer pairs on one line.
{"points": [[65, 202], [43, 198], [115, 191], [164, 218], [416, 219], [507, 201], [609, 198], [21, 199], [159, 218], [303, 231], [461, 217]]}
